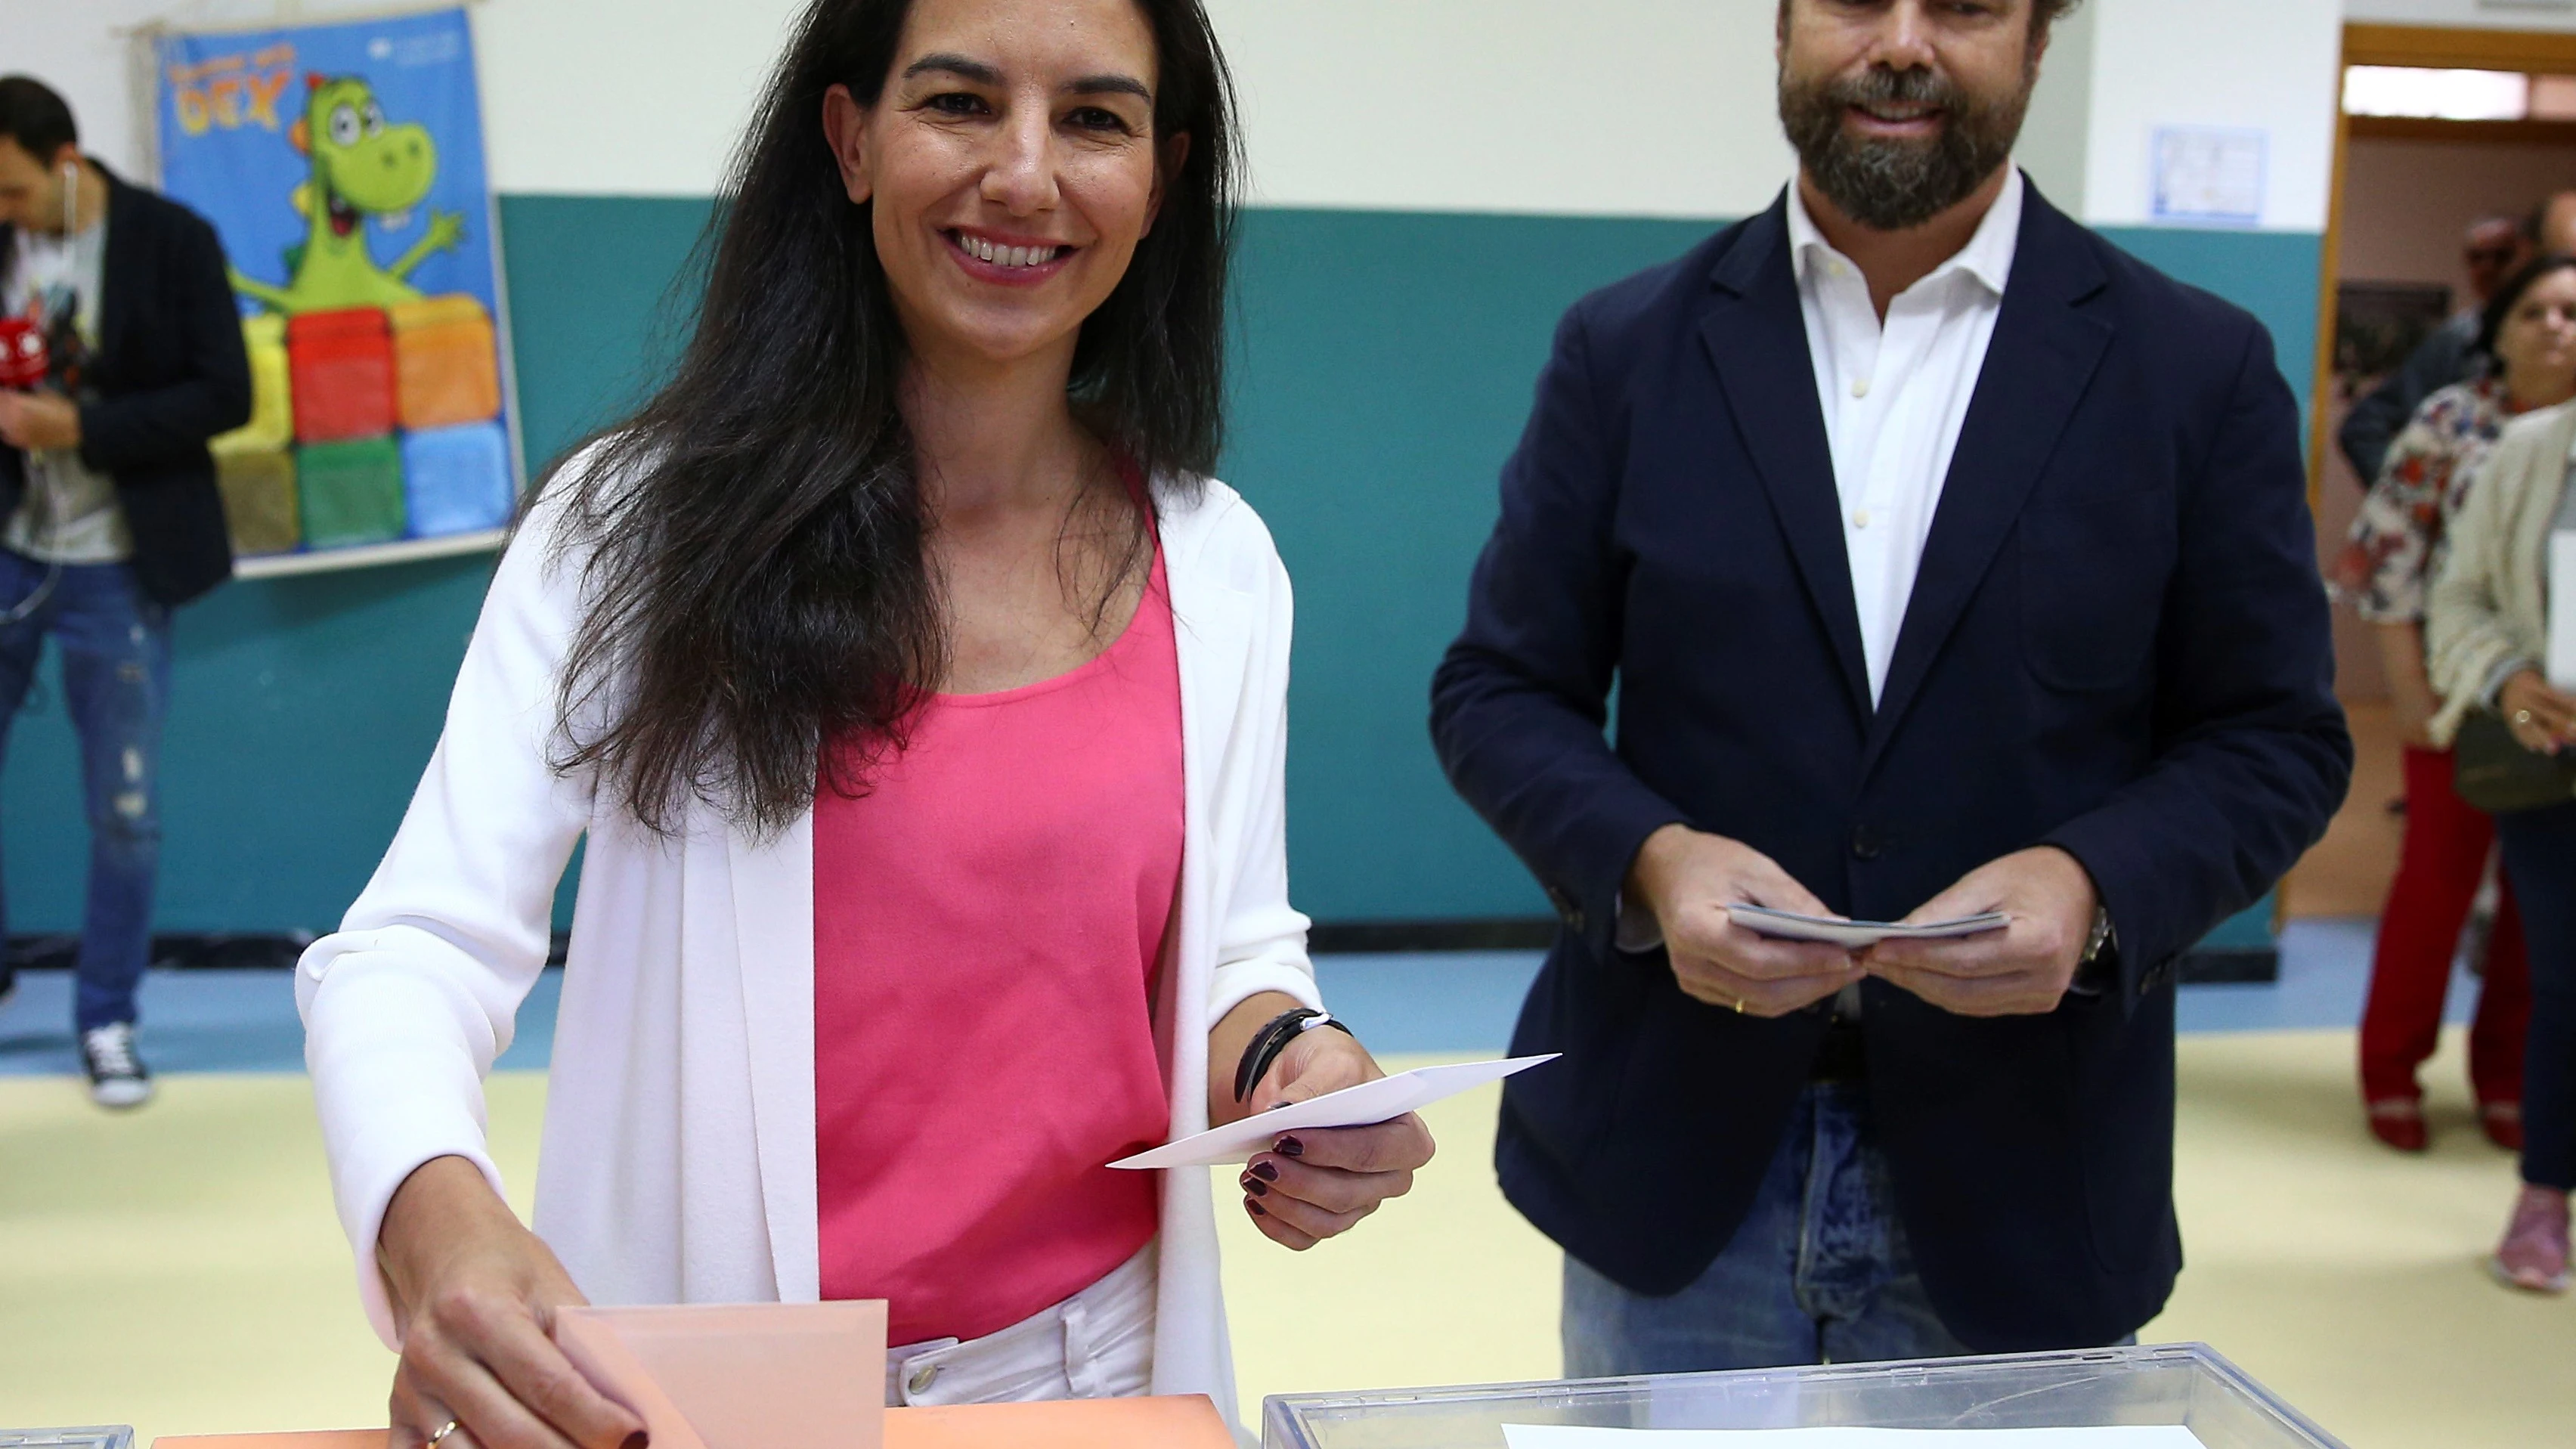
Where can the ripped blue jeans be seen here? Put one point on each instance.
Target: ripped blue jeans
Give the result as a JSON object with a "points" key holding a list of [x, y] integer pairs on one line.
{"points": [[115, 643]]}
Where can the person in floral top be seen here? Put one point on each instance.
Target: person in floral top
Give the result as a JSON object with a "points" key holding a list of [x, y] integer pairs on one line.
{"points": [[2396, 542], [2395, 550]]}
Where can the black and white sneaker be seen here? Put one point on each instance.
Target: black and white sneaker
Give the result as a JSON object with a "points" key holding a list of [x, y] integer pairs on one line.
{"points": [[116, 1074]]}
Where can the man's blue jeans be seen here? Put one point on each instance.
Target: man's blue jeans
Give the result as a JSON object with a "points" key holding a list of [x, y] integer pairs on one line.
{"points": [[1818, 1273], [115, 644]]}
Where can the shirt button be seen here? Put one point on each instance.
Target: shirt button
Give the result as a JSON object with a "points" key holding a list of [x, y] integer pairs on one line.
{"points": [[922, 1378], [1837, 268], [1861, 519], [1860, 388]]}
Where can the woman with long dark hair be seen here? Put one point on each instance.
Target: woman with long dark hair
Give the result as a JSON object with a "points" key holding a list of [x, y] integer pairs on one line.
{"points": [[923, 704]]}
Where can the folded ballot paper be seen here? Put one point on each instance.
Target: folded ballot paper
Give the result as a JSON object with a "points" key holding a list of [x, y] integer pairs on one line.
{"points": [[1856, 935], [1561, 1436], [1370, 1102]]}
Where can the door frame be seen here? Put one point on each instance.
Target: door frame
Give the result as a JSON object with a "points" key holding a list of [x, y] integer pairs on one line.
{"points": [[2532, 52]]}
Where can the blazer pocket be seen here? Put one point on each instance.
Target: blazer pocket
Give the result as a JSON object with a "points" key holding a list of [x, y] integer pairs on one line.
{"points": [[2093, 578]]}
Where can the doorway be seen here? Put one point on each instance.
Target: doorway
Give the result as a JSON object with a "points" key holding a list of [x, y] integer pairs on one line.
{"points": [[2438, 129]]}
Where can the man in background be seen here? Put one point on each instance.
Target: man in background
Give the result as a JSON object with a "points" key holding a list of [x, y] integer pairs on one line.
{"points": [[111, 515], [1948, 563], [2492, 250]]}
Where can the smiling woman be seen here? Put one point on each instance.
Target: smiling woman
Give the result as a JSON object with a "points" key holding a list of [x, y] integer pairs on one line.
{"points": [[872, 272], [865, 646]]}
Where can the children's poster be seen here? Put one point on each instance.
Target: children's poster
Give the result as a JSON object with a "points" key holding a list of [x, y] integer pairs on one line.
{"points": [[342, 165]]}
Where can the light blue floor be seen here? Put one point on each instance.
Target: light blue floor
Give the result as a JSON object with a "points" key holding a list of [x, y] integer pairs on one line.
{"points": [[210, 1021], [244, 1021]]}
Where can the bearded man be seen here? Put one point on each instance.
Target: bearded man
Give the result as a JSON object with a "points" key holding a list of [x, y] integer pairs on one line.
{"points": [[1947, 562]]}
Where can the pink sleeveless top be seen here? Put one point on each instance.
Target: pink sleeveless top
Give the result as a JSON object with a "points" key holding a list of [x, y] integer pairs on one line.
{"points": [[987, 924]]}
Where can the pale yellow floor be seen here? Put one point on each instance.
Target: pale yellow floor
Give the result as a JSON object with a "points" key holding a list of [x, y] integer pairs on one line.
{"points": [[180, 1270]]}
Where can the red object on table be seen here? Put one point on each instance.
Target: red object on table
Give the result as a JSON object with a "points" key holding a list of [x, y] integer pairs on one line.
{"points": [[23, 357], [342, 369]]}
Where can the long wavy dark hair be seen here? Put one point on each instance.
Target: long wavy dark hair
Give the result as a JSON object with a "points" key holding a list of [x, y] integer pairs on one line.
{"points": [[757, 584]]}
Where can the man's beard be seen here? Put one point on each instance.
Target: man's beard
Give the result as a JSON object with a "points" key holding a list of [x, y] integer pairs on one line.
{"points": [[1890, 185]]}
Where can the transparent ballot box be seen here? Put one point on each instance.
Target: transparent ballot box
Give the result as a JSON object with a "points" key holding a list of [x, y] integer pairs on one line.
{"points": [[119, 1437], [2185, 1384]]}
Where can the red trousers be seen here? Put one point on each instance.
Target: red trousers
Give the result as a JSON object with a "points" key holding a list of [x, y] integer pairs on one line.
{"points": [[2438, 871]]}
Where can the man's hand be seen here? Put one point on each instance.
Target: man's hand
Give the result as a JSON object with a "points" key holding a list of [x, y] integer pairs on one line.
{"points": [[39, 420], [1688, 879], [2021, 970]]}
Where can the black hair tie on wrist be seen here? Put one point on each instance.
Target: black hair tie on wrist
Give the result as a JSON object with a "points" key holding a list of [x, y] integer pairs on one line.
{"points": [[1272, 1039]]}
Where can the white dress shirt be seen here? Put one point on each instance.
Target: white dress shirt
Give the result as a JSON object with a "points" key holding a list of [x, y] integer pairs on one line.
{"points": [[1895, 396]]}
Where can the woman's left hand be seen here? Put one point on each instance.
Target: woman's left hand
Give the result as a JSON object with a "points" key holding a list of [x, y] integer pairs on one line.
{"points": [[1314, 1183]]}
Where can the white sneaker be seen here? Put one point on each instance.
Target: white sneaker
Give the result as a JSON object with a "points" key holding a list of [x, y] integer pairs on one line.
{"points": [[116, 1075]]}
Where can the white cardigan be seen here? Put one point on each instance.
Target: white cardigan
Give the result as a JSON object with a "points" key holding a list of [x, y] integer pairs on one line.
{"points": [[678, 1160], [2488, 610]]}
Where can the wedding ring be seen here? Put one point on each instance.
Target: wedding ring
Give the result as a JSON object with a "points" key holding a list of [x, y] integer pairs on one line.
{"points": [[2522, 716], [1739, 1006], [444, 1430]]}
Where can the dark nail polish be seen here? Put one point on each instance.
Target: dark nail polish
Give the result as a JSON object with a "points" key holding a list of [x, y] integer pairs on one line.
{"points": [[637, 1440], [1290, 1147], [1255, 1207], [1256, 1187], [1266, 1171]]}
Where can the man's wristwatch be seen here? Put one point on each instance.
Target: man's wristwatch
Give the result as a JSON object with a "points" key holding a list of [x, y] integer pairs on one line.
{"points": [[2098, 943], [2102, 937]]}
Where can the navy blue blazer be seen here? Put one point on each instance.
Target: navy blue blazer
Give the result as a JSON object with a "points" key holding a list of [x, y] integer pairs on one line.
{"points": [[2117, 644]]}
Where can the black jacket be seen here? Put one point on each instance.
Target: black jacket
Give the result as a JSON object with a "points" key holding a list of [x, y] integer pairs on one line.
{"points": [[170, 373], [2447, 355], [2116, 644]]}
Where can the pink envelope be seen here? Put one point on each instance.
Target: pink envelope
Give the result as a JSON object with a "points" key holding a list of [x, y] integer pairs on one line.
{"points": [[748, 1376]]}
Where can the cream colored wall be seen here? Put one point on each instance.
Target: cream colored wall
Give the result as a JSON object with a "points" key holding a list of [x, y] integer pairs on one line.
{"points": [[2262, 65], [1610, 107]]}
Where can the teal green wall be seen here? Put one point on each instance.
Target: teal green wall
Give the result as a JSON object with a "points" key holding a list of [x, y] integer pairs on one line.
{"points": [[304, 708], [1386, 370], [2274, 275], [1385, 365]]}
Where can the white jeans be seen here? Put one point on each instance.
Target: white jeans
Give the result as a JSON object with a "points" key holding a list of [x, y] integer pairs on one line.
{"points": [[1097, 1344]]}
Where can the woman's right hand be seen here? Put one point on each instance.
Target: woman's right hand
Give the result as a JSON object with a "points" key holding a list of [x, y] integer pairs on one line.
{"points": [[475, 1293], [2541, 718]]}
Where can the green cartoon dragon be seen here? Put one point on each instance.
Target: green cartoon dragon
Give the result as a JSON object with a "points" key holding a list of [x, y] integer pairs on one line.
{"points": [[362, 167]]}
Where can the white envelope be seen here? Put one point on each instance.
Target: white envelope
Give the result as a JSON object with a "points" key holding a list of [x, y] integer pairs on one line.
{"points": [[1791, 926], [1558, 1436], [2561, 663], [1369, 1102]]}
